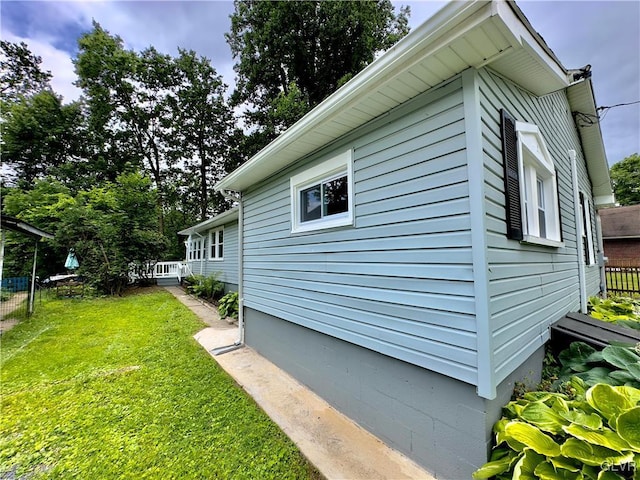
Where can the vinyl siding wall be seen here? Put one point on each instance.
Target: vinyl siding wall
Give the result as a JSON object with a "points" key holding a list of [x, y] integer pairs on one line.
{"points": [[400, 280], [530, 286], [227, 268]]}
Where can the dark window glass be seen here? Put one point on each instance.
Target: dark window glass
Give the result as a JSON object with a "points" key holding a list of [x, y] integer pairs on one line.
{"points": [[336, 196], [310, 204]]}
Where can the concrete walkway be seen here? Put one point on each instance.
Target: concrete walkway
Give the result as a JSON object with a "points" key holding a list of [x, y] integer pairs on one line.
{"points": [[335, 445]]}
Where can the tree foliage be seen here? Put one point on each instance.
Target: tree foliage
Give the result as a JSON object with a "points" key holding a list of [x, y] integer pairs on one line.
{"points": [[292, 55], [42, 137], [20, 72], [112, 227], [625, 176]]}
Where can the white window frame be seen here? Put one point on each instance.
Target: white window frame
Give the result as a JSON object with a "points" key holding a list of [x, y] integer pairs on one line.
{"points": [[215, 243], [326, 171], [587, 233], [535, 164], [197, 249]]}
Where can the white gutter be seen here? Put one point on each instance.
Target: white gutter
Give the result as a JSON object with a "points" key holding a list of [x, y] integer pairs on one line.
{"points": [[408, 51], [577, 213], [240, 342]]}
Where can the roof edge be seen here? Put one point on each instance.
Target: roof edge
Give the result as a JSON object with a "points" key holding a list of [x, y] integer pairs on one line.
{"points": [[224, 217], [452, 13]]}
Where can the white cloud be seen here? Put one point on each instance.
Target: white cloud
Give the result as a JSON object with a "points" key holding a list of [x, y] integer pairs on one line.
{"points": [[56, 61]]}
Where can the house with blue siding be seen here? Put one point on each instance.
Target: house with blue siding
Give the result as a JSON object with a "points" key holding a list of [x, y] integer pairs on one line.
{"points": [[407, 244], [212, 248]]}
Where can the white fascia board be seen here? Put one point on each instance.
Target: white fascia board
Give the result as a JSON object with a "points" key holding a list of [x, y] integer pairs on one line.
{"points": [[582, 99], [221, 219], [407, 51], [604, 201], [530, 39], [448, 24]]}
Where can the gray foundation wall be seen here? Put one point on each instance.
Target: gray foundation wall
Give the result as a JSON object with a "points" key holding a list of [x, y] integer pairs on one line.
{"points": [[437, 421]]}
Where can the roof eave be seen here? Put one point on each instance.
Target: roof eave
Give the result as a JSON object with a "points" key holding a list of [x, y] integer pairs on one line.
{"points": [[221, 219], [582, 101], [451, 23]]}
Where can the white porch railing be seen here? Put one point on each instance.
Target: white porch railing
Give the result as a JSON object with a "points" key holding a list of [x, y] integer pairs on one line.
{"points": [[177, 270]]}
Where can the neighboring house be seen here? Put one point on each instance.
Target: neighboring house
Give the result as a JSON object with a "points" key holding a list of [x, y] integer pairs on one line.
{"points": [[390, 263], [212, 248], [621, 235]]}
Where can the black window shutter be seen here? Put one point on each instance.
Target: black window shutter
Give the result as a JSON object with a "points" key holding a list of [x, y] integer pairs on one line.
{"points": [[511, 176]]}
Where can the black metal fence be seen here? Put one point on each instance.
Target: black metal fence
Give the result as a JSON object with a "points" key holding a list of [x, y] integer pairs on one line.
{"points": [[623, 279]]}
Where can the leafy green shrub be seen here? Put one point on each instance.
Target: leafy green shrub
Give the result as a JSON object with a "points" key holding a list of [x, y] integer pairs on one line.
{"points": [[547, 435], [228, 305], [614, 365], [209, 288], [619, 310]]}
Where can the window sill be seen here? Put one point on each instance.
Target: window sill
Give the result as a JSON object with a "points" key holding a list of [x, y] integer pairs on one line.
{"points": [[542, 241], [215, 259], [323, 225]]}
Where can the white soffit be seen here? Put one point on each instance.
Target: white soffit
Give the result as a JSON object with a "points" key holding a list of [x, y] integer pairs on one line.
{"points": [[582, 100], [459, 36]]}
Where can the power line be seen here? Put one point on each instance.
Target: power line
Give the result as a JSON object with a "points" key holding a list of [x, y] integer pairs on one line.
{"points": [[617, 105]]}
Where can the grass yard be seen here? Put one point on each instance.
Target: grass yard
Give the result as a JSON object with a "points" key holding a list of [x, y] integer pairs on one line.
{"points": [[118, 388]]}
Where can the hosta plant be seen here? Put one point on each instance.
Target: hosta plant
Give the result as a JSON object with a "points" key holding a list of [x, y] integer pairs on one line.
{"points": [[614, 365], [619, 310], [228, 305], [546, 435]]}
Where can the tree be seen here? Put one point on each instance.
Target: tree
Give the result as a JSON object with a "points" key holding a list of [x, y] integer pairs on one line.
{"points": [[625, 176], [292, 55], [20, 72], [42, 137], [112, 227], [205, 138]]}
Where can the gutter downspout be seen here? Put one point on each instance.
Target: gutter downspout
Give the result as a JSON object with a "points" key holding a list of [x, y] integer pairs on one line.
{"points": [[240, 342], [578, 218]]}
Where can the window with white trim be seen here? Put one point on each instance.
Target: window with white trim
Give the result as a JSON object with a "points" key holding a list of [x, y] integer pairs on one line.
{"points": [[322, 196], [587, 232], [216, 244], [531, 185], [197, 249]]}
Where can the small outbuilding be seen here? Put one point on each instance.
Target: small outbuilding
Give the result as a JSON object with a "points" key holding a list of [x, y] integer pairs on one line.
{"points": [[23, 228], [621, 235]]}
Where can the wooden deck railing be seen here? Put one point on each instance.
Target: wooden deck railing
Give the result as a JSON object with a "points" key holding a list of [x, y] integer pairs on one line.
{"points": [[177, 270]]}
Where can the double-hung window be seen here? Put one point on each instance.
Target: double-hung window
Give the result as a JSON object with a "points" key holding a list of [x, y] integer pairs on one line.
{"points": [[322, 196], [216, 244], [531, 185], [196, 249]]}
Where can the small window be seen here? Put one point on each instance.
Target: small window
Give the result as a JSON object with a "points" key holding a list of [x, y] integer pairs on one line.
{"points": [[587, 232], [322, 197], [216, 244], [531, 185]]}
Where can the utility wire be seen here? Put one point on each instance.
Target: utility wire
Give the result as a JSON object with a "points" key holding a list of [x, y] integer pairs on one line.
{"points": [[618, 105], [587, 120]]}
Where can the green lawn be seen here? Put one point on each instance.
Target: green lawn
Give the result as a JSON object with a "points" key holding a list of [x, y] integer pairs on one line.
{"points": [[117, 388]]}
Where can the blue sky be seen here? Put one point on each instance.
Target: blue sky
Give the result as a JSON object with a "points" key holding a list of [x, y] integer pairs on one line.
{"points": [[605, 34]]}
